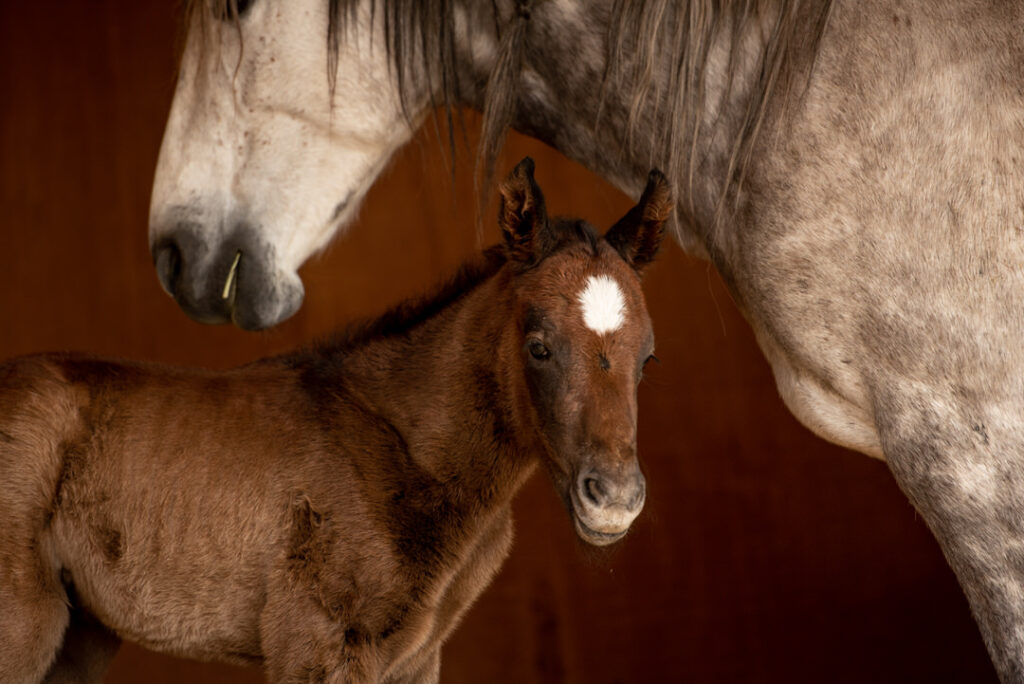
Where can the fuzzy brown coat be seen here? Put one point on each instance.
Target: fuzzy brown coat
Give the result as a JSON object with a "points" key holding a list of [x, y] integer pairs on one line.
{"points": [[331, 513]]}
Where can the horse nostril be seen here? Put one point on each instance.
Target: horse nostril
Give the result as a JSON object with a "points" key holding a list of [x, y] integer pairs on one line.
{"points": [[168, 267], [639, 495], [594, 490]]}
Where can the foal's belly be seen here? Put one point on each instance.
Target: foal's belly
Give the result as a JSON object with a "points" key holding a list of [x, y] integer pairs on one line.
{"points": [[168, 582]]}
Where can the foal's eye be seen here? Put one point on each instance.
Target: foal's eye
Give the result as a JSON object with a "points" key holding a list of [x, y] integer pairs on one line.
{"points": [[538, 350], [650, 358]]}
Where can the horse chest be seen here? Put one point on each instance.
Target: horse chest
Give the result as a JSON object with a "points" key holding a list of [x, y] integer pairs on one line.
{"points": [[874, 254], [446, 599]]}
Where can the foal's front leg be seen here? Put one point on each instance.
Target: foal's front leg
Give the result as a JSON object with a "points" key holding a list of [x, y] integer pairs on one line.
{"points": [[86, 652], [428, 672], [301, 642]]}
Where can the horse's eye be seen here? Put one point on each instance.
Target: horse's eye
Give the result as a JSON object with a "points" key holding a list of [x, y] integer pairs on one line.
{"points": [[538, 350], [650, 358]]}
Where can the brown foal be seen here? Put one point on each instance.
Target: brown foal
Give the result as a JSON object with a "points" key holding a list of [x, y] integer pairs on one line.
{"points": [[333, 512]]}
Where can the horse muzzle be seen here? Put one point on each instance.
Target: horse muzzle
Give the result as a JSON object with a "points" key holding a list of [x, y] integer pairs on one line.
{"points": [[604, 506], [233, 281]]}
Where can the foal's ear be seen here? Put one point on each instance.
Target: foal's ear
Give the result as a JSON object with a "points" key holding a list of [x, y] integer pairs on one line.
{"points": [[522, 216], [637, 235]]}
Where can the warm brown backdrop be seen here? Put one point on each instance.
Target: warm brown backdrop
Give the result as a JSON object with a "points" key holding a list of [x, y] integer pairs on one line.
{"points": [[764, 554]]}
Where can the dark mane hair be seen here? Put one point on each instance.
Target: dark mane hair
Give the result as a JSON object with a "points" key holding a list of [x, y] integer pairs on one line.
{"points": [[569, 231], [408, 314], [412, 312], [643, 34]]}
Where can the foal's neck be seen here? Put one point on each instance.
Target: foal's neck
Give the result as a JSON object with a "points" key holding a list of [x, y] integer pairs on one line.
{"points": [[448, 387]]}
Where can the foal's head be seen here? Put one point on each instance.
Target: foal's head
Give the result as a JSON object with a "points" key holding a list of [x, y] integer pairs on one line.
{"points": [[585, 337]]}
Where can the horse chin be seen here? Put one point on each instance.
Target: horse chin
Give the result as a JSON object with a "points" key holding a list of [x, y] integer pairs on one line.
{"points": [[594, 537], [258, 305], [261, 309]]}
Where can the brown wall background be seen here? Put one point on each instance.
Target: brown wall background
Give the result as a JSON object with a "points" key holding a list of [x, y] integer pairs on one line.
{"points": [[764, 554]]}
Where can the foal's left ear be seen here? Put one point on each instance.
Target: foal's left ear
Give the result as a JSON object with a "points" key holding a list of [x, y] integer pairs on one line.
{"points": [[522, 216], [637, 235]]}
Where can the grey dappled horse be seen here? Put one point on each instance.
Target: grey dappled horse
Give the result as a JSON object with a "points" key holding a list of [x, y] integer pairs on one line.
{"points": [[852, 168]]}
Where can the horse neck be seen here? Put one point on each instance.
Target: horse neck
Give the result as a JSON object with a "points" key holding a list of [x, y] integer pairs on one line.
{"points": [[449, 389], [562, 102]]}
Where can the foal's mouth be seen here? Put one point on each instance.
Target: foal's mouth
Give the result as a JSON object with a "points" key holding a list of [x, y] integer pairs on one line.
{"points": [[587, 532], [592, 536]]}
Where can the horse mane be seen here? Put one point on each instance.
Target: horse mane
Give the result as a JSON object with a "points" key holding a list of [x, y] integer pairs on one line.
{"points": [[572, 231], [406, 315], [410, 313], [644, 36], [644, 30]]}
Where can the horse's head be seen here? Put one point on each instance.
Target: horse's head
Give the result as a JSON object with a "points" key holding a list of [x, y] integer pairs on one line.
{"points": [[261, 161], [585, 336]]}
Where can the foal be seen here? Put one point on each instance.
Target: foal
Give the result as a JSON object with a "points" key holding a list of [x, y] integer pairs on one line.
{"points": [[331, 513]]}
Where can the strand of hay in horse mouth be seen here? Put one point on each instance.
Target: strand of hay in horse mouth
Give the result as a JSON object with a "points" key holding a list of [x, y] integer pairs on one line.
{"points": [[226, 293]]}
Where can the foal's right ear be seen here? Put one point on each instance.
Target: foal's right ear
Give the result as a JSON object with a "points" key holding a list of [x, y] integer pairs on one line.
{"points": [[522, 217], [637, 235]]}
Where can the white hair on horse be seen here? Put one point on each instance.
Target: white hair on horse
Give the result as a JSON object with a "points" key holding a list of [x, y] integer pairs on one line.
{"points": [[602, 304], [274, 137]]}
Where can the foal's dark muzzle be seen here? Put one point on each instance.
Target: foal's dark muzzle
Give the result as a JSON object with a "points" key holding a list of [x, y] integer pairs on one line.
{"points": [[233, 281], [606, 504]]}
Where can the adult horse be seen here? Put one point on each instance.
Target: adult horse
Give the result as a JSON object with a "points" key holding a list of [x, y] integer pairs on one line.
{"points": [[849, 168]]}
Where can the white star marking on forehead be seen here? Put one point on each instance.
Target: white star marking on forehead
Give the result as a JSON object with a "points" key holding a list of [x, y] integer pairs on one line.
{"points": [[604, 307]]}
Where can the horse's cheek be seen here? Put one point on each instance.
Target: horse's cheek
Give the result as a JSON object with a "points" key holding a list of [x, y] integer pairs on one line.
{"points": [[546, 394]]}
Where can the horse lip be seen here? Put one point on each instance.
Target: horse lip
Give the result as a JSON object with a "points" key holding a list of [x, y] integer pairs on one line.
{"points": [[589, 534], [252, 312], [596, 538], [234, 279]]}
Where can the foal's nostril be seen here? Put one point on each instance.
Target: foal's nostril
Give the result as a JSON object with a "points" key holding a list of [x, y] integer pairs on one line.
{"points": [[168, 267], [594, 490]]}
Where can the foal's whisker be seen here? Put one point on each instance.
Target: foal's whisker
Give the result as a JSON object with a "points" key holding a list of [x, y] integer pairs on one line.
{"points": [[231, 276]]}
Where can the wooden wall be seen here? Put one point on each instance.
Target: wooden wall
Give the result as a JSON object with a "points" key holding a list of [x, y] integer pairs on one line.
{"points": [[764, 554]]}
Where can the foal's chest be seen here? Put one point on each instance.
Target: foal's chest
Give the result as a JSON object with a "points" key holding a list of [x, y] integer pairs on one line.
{"points": [[446, 599]]}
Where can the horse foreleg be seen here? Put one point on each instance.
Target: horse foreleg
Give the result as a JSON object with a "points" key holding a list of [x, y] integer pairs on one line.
{"points": [[86, 652], [427, 672], [962, 466], [33, 617], [33, 604]]}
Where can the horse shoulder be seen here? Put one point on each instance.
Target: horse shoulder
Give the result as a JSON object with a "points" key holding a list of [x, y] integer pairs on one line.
{"points": [[378, 552], [414, 653], [884, 274], [881, 244]]}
